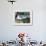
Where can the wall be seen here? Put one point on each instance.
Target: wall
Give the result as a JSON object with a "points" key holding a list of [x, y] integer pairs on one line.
{"points": [[37, 30]]}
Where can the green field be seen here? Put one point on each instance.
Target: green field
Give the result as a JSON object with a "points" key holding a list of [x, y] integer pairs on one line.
{"points": [[26, 20]]}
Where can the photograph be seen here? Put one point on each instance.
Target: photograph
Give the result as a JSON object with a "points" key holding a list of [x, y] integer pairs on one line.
{"points": [[23, 18]]}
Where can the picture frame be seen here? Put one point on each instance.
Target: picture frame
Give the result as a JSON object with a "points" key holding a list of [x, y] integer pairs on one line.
{"points": [[23, 18]]}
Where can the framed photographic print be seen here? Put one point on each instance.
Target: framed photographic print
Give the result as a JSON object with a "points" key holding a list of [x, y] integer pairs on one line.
{"points": [[23, 18]]}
